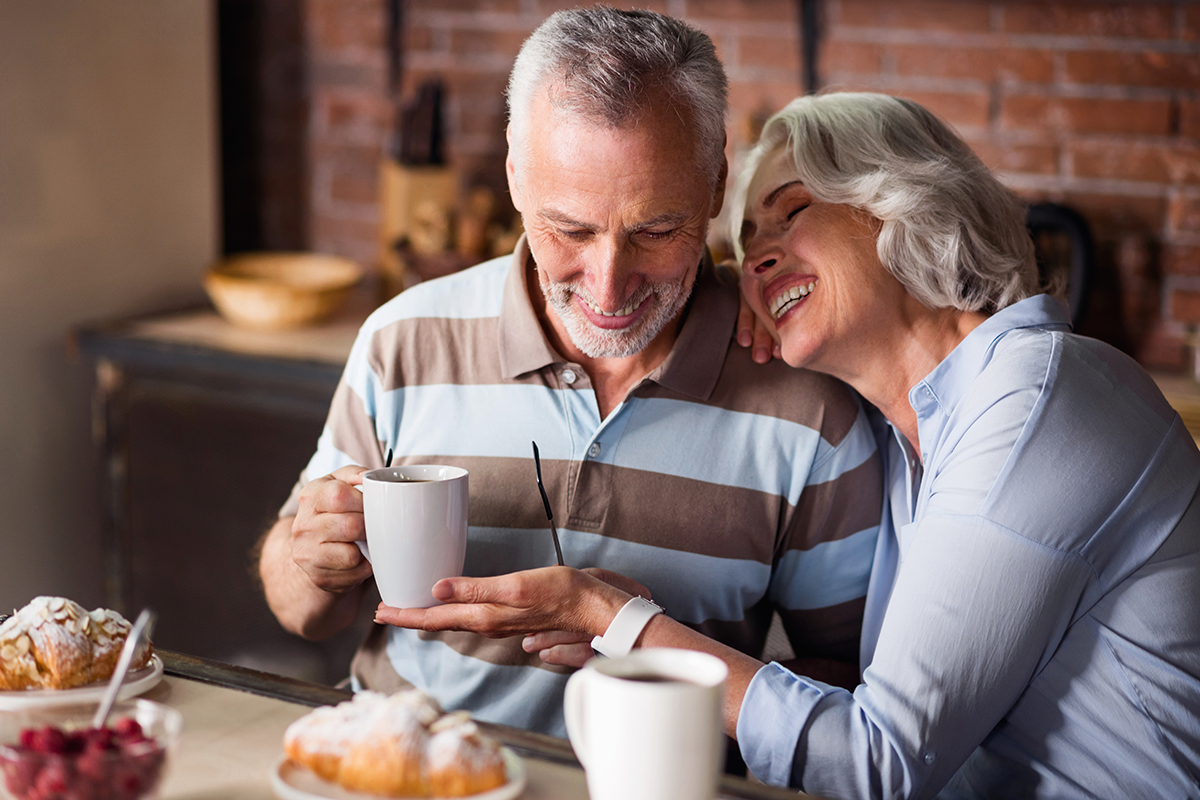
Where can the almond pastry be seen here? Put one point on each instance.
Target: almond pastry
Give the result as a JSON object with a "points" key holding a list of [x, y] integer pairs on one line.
{"points": [[396, 746], [55, 643]]}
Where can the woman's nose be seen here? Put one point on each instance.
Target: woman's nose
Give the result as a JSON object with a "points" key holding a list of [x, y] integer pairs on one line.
{"points": [[759, 260]]}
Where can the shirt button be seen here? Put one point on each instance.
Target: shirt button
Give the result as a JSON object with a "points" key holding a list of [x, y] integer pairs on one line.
{"points": [[568, 376], [929, 758], [594, 450]]}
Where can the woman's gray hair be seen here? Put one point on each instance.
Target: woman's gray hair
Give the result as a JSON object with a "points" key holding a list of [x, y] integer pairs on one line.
{"points": [[600, 62], [951, 233]]}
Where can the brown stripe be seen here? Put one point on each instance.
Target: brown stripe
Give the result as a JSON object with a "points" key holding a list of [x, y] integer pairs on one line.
{"points": [[664, 510], [503, 491], [678, 513], [838, 508], [831, 632], [501, 652], [372, 667], [749, 635], [352, 429], [433, 350], [635, 505]]}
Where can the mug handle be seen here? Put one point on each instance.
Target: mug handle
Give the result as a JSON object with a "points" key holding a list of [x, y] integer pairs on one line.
{"points": [[362, 543], [573, 705]]}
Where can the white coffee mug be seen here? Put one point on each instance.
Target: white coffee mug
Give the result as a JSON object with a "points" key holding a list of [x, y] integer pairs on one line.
{"points": [[416, 520], [647, 726]]}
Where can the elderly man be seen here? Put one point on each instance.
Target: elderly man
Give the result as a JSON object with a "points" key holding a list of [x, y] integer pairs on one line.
{"points": [[730, 490]]}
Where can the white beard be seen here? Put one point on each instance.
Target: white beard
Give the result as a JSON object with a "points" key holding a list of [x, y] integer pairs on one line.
{"points": [[669, 299]]}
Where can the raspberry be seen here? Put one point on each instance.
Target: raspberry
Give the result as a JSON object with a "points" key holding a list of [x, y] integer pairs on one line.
{"points": [[49, 740], [98, 739], [19, 775], [53, 779], [128, 728]]}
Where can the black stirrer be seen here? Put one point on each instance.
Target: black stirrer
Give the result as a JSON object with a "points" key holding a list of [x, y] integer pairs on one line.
{"points": [[537, 463]]}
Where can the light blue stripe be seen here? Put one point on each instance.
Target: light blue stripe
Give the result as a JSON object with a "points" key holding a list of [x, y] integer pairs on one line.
{"points": [[327, 458], [672, 576], [524, 697], [828, 574], [485, 421], [749, 451], [733, 448]]}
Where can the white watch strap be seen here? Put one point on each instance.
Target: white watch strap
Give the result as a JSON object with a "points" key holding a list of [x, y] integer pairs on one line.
{"points": [[625, 628]]}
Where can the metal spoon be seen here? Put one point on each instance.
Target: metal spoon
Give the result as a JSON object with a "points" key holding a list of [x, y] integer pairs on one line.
{"points": [[139, 633]]}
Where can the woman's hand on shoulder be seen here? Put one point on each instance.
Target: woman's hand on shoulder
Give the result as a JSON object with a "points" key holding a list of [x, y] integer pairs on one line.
{"points": [[751, 331]]}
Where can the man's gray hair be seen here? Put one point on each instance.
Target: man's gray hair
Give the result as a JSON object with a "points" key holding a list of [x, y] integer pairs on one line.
{"points": [[600, 62], [952, 234]]}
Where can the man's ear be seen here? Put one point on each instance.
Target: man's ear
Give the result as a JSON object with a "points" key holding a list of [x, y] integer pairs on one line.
{"points": [[510, 171], [719, 189]]}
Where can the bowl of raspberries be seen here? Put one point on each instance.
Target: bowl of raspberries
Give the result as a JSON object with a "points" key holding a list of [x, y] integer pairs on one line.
{"points": [[56, 754]]}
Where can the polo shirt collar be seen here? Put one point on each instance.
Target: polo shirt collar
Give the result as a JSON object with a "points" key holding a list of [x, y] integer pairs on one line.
{"points": [[946, 386], [523, 344], [691, 368]]}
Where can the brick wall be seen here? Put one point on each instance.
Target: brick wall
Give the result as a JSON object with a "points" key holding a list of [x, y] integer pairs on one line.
{"points": [[1095, 105]]}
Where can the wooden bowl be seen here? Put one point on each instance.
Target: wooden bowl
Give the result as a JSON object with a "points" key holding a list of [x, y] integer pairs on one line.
{"points": [[275, 291]]}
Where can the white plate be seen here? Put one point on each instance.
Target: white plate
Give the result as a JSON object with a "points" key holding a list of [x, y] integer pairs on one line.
{"points": [[137, 682], [290, 781]]}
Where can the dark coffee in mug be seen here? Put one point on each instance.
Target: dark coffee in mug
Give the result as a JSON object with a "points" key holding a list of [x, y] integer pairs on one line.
{"points": [[652, 677]]}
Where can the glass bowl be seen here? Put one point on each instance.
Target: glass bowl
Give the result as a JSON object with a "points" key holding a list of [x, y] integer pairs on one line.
{"points": [[55, 754]]}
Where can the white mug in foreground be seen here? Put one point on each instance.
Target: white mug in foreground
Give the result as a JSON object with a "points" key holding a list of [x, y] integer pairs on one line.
{"points": [[647, 726], [416, 520]]}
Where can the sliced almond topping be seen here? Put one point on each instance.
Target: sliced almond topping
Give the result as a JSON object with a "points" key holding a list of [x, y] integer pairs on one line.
{"points": [[56, 603], [8, 653], [23, 645]]}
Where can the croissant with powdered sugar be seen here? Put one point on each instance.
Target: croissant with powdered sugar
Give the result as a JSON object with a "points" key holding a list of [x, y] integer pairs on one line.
{"points": [[55, 643]]}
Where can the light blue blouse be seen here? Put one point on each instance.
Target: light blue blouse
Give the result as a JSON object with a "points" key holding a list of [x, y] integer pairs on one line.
{"points": [[1033, 619]]}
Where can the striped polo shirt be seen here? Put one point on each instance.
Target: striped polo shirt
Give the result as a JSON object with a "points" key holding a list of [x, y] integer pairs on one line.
{"points": [[730, 489]]}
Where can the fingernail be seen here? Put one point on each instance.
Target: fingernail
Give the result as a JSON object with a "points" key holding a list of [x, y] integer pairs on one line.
{"points": [[744, 338], [443, 590], [527, 644], [761, 355]]}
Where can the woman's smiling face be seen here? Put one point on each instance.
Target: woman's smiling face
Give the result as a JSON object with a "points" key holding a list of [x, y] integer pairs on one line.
{"points": [[811, 270]]}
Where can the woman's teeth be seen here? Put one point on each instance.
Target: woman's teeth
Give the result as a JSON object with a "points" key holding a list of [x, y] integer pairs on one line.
{"points": [[621, 312], [789, 298]]}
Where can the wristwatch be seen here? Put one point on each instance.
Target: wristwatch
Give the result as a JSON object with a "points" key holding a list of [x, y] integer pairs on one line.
{"points": [[625, 628]]}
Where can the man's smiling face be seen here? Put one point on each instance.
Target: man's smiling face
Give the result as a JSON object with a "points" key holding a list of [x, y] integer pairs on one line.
{"points": [[616, 220]]}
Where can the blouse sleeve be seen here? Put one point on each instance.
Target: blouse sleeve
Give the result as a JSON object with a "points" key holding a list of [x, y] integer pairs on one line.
{"points": [[974, 608]]}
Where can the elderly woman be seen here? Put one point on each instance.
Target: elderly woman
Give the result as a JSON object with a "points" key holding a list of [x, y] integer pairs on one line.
{"points": [[1032, 626]]}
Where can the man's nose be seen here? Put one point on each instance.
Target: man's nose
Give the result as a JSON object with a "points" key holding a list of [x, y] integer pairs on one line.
{"points": [[612, 264]]}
